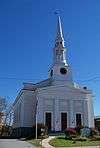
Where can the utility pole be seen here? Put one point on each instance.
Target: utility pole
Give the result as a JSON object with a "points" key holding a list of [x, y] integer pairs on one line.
{"points": [[36, 115], [36, 124]]}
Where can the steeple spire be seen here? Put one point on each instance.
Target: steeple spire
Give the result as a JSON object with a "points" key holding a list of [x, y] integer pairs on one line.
{"points": [[59, 49], [59, 33]]}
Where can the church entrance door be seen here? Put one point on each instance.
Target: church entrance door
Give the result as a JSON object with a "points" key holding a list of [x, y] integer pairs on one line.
{"points": [[78, 120], [63, 121], [48, 121]]}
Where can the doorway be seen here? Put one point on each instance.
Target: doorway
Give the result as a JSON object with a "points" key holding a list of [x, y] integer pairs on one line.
{"points": [[48, 120], [63, 121], [78, 120]]}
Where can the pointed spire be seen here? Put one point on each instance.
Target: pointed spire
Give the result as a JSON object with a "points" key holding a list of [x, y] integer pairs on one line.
{"points": [[59, 49], [59, 33], [59, 28]]}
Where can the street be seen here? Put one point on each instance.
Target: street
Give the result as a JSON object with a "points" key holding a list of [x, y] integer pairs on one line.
{"points": [[14, 143]]}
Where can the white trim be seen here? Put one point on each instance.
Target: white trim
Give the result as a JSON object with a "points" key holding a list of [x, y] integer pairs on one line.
{"points": [[72, 87]]}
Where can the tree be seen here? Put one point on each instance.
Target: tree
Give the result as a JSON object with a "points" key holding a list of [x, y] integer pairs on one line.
{"points": [[2, 108], [6, 116]]}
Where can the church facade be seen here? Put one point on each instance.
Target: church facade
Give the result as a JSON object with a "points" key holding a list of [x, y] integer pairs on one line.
{"points": [[56, 102]]}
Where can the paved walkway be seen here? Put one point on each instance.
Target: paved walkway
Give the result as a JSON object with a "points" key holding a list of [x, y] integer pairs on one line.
{"points": [[14, 143], [45, 142]]}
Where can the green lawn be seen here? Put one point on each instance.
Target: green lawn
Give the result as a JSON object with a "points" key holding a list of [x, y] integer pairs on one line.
{"points": [[61, 142], [35, 142]]}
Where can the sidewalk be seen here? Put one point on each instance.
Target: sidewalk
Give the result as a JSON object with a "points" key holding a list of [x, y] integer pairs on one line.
{"points": [[45, 142]]}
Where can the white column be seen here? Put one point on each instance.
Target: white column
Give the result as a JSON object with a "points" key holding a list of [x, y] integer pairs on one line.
{"points": [[56, 118], [71, 115], [40, 110], [85, 113], [90, 112]]}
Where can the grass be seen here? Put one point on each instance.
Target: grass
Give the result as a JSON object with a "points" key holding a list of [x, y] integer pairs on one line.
{"points": [[35, 142], [60, 141]]}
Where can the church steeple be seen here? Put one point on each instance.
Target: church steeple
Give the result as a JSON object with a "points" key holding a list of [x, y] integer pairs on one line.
{"points": [[59, 33], [60, 70], [59, 49]]}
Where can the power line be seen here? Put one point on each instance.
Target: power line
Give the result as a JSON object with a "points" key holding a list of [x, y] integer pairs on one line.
{"points": [[96, 78], [15, 78]]}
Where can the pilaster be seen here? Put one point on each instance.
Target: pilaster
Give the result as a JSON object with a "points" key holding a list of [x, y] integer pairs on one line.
{"points": [[57, 115]]}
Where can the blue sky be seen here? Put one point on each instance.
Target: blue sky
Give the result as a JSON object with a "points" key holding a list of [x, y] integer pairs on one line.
{"points": [[27, 33]]}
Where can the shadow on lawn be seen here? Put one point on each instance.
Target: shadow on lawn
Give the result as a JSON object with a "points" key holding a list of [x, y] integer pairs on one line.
{"points": [[61, 138]]}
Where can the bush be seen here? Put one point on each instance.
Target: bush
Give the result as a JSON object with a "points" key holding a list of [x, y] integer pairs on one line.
{"points": [[78, 128], [95, 138], [85, 132], [69, 132], [93, 132]]}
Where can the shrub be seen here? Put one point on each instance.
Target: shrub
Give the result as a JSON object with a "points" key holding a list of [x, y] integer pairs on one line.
{"points": [[69, 132], [78, 128], [89, 132], [96, 137], [93, 132], [92, 139], [85, 132]]}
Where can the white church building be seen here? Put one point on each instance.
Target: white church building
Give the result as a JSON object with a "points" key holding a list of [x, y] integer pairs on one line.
{"points": [[56, 102]]}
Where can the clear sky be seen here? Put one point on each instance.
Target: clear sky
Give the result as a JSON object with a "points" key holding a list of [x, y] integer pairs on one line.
{"points": [[27, 33]]}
